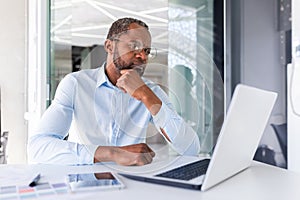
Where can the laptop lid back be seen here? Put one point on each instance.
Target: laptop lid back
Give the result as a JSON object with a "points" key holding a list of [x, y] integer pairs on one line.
{"points": [[241, 132]]}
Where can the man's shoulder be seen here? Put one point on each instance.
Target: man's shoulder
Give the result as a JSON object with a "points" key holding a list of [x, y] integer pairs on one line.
{"points": [[85, 73]]}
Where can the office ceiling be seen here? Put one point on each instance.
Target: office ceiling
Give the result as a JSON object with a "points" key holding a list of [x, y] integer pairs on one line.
{"points": [[86, 22]]}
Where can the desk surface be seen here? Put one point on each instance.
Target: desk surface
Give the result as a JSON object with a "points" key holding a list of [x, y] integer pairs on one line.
{"points": [[260, 181]]}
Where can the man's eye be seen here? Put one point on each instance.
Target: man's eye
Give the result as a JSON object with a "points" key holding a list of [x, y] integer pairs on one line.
{"points": [[147, 50], [136, 47]]}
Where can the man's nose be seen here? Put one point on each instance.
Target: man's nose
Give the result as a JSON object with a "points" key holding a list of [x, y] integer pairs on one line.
{"points": [[142, 55]]}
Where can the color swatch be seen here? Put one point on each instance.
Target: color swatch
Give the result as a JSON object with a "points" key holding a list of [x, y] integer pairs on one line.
{"points": [[25, 192]]}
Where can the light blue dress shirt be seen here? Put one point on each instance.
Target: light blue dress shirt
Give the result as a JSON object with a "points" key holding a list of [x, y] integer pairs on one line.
{"points": [[96, 113]]}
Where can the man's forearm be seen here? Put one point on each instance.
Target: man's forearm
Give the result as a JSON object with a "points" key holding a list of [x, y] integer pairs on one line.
{"points": [[150, 100], [152, 103], [103, 154]]}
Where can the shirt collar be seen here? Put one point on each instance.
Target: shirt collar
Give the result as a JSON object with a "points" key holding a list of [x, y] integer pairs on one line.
{"points": [[102, 77]]}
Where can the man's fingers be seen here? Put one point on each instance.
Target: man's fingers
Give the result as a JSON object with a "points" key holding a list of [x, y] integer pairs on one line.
{"points": [[142, 148], [123, 71], [146, 158], [129, 158], [152, 153], [130, 81], [137, 154], [143, 158]]}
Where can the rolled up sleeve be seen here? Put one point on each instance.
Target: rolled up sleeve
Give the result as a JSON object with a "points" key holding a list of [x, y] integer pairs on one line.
{"points": [[183, 139]]}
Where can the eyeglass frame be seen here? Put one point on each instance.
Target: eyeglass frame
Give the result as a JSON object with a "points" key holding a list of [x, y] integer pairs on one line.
{"points": [[146, 50]]}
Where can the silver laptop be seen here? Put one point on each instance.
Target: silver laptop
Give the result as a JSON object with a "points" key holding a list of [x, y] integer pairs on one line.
{"points": [[241, 132]]}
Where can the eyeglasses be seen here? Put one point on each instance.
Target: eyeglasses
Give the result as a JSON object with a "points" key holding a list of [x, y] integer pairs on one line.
{"points": [[138, 47]]}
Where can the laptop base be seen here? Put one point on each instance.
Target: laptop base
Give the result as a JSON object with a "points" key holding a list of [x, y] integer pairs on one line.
{"points": [[162, 182]]}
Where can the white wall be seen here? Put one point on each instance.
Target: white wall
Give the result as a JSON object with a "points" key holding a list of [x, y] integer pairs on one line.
{"points": [[294, 93], [12, 76]]}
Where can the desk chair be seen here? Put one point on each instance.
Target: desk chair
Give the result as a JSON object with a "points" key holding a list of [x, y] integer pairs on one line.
{"points": [[281, 133], [3, 144], [265, 154]]}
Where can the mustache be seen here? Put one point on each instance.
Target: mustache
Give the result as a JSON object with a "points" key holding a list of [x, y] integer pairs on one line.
{"points": [[135, 66]]}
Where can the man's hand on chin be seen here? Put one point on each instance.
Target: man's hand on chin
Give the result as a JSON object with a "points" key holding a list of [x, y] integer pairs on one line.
{"points": [[130, 82]]}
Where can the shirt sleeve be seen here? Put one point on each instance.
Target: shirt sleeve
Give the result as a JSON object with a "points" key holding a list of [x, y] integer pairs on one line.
{"points": [[46, 144], [183, 139]]}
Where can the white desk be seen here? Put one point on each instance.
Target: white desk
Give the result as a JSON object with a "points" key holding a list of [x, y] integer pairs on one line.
{"points": [[260, 181]]}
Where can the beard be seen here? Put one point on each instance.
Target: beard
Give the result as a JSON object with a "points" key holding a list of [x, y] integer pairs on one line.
{"points": [[121, 64]]}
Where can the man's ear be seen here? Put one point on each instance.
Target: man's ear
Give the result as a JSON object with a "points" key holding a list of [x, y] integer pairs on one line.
{"points": [[108, 46]]}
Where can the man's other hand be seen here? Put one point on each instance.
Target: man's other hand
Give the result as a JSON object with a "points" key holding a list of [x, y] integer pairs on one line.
{"points": [[136, 154]]}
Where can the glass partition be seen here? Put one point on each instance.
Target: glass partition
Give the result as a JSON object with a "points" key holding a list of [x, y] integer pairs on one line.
{"points": [[61, 18], [195, 79], [183, 34]]}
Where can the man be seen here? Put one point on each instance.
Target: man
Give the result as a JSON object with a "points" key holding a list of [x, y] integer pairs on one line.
{"points": [[106, 110]]}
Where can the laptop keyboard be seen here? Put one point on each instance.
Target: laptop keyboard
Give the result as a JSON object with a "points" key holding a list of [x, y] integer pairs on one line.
{"points": [[187, 172]]}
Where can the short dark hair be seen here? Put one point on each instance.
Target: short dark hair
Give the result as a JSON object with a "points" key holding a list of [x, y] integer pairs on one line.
{"points": [[121, 26]]}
